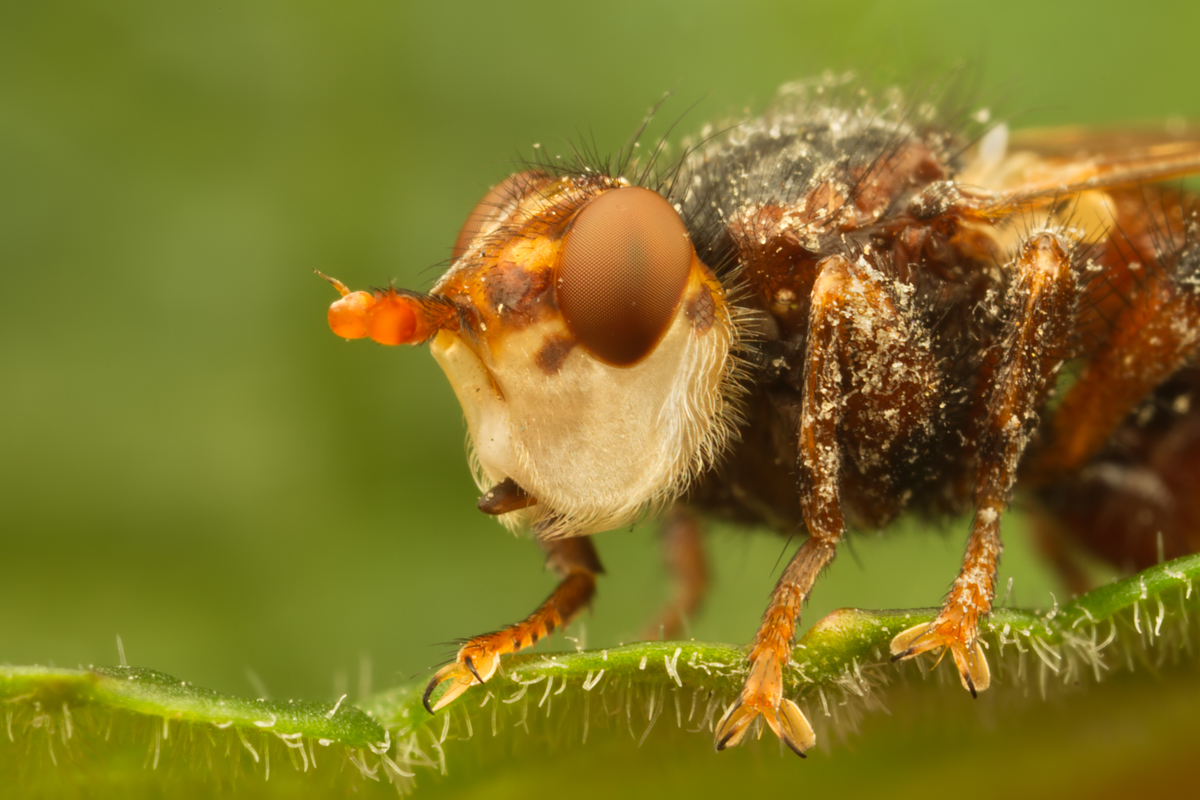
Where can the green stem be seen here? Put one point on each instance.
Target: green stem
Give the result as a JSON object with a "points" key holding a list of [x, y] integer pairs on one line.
{"points": [[1139, 620]]}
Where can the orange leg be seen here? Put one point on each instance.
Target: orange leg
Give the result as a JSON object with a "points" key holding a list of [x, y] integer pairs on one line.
{"points": [[683, 551], [1135, 503], [1151, 339], [1040, 312], [575, 560], [842, 363], [762, 693]]}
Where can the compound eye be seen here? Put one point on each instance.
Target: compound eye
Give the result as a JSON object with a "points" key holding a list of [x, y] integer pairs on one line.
{"points": [[621, 273], [488, 210]]}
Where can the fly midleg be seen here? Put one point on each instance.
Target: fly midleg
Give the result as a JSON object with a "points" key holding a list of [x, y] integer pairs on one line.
{"points": [[1039, 313], [683, 551]]}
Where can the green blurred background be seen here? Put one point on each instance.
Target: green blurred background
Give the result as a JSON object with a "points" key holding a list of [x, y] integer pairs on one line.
{"points": [[191, 459]]}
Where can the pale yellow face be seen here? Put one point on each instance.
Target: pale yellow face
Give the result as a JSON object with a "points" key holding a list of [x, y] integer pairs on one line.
{"points": [[599, 426], [594, 443]]}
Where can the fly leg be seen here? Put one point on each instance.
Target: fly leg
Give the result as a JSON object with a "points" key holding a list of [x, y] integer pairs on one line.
{"points": [[576, 563], [1135, 504], [683, 551], [1115, 472], [867, 366], [1039, 315], [1152, 338]]}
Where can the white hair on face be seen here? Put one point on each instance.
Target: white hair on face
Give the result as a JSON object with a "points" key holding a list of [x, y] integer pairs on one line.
{"points": [[600, 446]]}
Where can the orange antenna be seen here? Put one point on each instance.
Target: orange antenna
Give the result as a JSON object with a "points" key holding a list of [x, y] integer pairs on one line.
{"points": [[387, 317]]}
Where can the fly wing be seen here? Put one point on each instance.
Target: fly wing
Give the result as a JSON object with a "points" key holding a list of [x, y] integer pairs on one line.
{"points": [[1076, 142], [1044, 166]]}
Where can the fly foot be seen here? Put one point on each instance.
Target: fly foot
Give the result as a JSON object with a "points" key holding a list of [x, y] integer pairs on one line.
{"points": [[957, 633], [762, 695], [475, 663]]}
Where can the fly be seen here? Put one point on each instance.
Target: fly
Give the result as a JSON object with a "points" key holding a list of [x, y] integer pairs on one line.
{"points": [[826, 317]]}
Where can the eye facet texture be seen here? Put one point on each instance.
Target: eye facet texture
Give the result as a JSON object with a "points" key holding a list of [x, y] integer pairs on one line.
{"points": [[490, 207], [621, 273]]}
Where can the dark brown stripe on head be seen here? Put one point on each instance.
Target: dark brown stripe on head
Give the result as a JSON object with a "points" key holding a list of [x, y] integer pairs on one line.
{"points": [[507, 285], [553, 353]]}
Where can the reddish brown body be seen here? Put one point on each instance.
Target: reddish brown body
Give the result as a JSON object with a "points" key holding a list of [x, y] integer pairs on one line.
{"points": [[833, 315], [1139, 284]]}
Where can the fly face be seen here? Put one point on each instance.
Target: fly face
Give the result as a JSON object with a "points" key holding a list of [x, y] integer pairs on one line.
{"points": [[589, 346]]}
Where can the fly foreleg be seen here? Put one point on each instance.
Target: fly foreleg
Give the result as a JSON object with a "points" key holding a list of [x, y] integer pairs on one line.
{"points": [[576, 563], [867, 366]]}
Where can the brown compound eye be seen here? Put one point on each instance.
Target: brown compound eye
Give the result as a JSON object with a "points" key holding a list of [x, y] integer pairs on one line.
{"points": [[491, 206], [621, 273]]}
